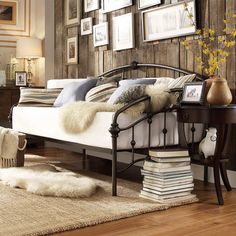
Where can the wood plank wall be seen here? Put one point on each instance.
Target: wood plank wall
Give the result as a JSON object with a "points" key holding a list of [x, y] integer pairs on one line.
{"points": [[93, 61]]}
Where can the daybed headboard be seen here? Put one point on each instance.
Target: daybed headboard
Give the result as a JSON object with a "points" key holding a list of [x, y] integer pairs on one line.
{"points": [[135, 65]]}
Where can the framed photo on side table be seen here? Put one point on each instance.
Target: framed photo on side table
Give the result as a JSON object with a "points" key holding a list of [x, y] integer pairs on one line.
{"points": [[193, 93], [86, 26], [21, 78], [100, 34], [123, 32], [72, 50]]}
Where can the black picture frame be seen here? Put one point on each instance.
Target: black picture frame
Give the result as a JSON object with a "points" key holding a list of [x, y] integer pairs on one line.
{"points": [[21, 78], [193, 93]]}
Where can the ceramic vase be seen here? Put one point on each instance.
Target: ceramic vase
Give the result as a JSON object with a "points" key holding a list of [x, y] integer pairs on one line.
{"points": [[219, 93]]}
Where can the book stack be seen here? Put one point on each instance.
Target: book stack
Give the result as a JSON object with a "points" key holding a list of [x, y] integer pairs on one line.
{"points": [[167, 176]]}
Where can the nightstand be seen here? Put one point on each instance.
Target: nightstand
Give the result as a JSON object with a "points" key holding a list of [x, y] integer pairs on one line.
{"points": [[8, 97], [220, 117]]}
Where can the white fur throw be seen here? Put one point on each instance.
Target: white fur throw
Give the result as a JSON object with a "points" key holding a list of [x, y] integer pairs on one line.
{"points": [[78, 116], [45, 180]]}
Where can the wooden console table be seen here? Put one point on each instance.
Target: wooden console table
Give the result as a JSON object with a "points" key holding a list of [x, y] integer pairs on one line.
{"points": [[219, 117]]}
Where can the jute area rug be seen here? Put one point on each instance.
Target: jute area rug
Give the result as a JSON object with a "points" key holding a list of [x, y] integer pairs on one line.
{"points": [[23, 213]]}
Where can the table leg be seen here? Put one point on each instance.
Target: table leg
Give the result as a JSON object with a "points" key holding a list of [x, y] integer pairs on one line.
{"points": [[217, 183], [224, 176]]}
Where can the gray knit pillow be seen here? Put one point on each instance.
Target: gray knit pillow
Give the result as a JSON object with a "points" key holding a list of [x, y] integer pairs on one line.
{"points": [[131, 94]]}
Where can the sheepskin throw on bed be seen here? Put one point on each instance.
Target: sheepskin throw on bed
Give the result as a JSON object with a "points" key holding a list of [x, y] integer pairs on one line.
{"points": [[46, 180], [78, 116]]}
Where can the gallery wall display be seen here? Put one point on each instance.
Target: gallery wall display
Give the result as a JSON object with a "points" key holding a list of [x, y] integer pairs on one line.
{"points": [[168, 22], [111, 5], [86, 26], [100, 34], [72, 50], [72, 12], [123, 32], [15, 18], [21, 78], [147, 3], [91, 5]]}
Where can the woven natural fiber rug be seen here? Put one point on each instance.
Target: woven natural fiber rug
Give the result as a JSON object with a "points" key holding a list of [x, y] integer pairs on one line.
{"points": [[23, 213]]}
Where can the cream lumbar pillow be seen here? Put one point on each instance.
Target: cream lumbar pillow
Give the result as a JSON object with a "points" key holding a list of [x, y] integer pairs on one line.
{"points": [[46, 180]]}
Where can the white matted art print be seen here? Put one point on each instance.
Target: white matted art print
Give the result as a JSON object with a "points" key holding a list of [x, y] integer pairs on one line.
{"points": [[86, 26], [72, 12], [111, 5], [72, 50], [123, 32], [100, 34], [147, 3], [91, 5], [168, 22]]}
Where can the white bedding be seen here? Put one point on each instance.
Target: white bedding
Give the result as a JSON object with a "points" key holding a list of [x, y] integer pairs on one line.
{"points": [[45, 122]]}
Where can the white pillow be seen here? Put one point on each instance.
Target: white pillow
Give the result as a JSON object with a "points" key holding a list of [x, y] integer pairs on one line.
{"points": [[163, 80], [61, 83]]}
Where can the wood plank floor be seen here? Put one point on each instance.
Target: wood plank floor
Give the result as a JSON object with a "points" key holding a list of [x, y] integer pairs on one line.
{"points": [[203, 218]]}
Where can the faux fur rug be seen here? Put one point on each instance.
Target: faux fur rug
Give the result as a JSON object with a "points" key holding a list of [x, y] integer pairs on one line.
{"points": [[78, 116], [46, 180]]}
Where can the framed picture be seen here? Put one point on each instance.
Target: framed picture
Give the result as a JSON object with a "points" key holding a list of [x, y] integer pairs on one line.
{"points": [[100, 34], [193, 93], [111, 5], [72, 50], [86, 26], [147, 3], [21, 78], [8, 11], [72, 12], [168, 22], [123, 32], [91, 5]]}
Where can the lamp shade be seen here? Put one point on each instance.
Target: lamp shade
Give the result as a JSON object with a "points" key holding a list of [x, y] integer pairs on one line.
{"points": [[29, 48]]}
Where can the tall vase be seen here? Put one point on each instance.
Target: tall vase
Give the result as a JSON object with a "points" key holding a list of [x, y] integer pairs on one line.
{"points": [[219, 92]]}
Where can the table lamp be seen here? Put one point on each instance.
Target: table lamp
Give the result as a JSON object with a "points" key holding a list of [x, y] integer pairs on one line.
{"points": [[29, 49]]}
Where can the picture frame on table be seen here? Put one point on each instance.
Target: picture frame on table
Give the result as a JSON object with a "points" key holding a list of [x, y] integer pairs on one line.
{"points": [[147, 3], [8, 12], [21, 78], [86, 26], [111, 5], [72, 50], [100, 34], [72, 12], [193, 93], [123, 32], [168, 21], [91, 5]]}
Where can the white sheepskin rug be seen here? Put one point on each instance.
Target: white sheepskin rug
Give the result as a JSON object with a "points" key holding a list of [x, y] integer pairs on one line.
{"points": [[46, 180]]}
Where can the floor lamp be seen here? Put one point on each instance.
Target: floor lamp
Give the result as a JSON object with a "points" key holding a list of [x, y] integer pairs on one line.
{"points": [[29, 49]]}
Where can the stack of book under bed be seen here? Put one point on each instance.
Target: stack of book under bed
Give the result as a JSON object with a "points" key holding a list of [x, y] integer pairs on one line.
{"points": [[167, 176]]}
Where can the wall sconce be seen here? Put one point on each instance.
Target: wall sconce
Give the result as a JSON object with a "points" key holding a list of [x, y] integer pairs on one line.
{"points": [[29, 49]]}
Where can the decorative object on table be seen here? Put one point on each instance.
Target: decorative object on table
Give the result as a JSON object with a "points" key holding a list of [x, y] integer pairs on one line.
{"points": [[147, 3], [219, 93], [108, 6], [72, 12], [193, 93], [21, 78], [208, 144], [72, 50], [100, 34], [29, 49], [8, 12], [86, 26], [91, 5], [215, 50], [123, 32], [167, 176], [161, 22]]}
